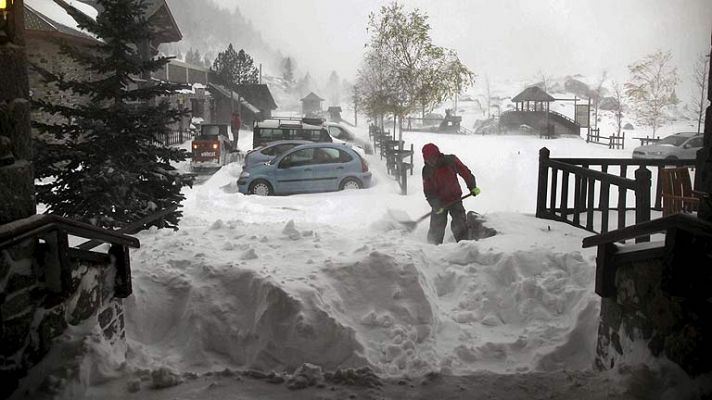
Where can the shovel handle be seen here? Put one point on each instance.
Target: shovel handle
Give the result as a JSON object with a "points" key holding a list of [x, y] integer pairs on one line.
{"points": [[448, 205]]}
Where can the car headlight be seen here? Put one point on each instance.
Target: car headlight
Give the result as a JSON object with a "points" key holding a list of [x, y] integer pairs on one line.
{"points": [[244, 174], [656, 153]]}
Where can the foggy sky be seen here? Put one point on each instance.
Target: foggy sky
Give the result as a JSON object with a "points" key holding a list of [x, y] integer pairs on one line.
{"points": [[505, 39]]}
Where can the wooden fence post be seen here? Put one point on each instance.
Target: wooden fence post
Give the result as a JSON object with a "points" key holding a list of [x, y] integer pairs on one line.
{"points": [[642, 198], [543, 182]]}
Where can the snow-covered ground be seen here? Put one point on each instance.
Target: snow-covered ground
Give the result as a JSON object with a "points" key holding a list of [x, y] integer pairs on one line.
{"points": [[270, 283], [274, 282]]}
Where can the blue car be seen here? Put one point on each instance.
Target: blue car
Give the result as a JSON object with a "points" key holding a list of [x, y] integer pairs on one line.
{"points": [[315, 167], [269, 151]]}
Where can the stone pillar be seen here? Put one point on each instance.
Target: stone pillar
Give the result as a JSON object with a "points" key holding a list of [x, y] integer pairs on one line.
{"points": [[16, 177], [704, 158]]}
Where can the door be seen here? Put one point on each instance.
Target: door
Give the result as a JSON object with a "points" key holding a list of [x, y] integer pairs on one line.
{"points": [[329, 167], [295, 172]]}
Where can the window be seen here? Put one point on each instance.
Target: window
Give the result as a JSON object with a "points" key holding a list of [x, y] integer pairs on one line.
{"points": [[278, 149], [298, 158], [674, 140], [328, 155], [210, 130], [270, 134], [335, 132], [344, 157], [695, 142]]}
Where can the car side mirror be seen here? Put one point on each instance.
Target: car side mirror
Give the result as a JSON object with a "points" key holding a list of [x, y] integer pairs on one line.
{"points": [[686, 146]]}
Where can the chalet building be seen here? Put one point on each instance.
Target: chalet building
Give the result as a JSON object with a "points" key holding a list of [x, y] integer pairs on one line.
{"points": [[47, 24], [311, 104], [254, 102]]}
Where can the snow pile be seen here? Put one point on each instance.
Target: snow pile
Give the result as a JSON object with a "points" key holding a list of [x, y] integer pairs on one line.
{"points": [[210, 315], [274, 296]]}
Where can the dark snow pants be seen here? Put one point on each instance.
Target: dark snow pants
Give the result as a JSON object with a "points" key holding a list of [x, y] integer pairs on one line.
{"points": [[438, 222]]}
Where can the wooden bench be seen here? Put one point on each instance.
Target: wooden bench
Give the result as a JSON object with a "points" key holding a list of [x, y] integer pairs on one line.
{"points": [[677, 192]]}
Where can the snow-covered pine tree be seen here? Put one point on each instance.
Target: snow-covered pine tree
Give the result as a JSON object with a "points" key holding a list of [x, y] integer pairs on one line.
{"points": [[104, 165]]}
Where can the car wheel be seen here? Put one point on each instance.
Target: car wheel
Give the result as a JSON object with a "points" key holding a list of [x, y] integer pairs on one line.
{"points": [[351, 184], [261, 188]]}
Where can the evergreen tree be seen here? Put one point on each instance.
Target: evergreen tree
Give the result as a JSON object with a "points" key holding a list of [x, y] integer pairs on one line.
{"points": [[106, 165], [193, 57], [333, 88], [288, 71], [305, 85], [235, 68]]}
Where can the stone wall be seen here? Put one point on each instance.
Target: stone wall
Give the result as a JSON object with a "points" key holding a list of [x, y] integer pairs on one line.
{"points": [[34, 312], [46, 54], [644, 311]]}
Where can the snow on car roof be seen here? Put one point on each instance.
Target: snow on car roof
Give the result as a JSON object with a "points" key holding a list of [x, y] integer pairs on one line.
{"points": [[275, 123]]}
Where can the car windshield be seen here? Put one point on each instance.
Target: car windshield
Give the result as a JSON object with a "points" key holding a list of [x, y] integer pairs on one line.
{"points": [[210, 130], [674, 140], [207, 137]]}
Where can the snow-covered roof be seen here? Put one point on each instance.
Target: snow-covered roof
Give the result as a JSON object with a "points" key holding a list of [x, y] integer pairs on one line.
{"points": [[312, 97], [227, 93], [533, 93], [48, 16]]}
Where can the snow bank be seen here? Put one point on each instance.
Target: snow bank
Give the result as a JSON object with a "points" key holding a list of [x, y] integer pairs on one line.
{"points": [[274, 295]]}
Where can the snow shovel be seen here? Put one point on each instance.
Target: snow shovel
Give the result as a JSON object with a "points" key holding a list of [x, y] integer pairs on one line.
{"points": [[403, 219]]}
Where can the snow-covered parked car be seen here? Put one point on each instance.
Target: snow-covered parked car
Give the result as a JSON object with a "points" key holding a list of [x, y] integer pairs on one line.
{"points": [[315, 167], [343, 132], [682, 146], [272, 130]]}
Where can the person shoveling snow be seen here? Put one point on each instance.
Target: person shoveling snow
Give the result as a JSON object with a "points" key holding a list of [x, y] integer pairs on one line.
{"points": [[443, 193]]}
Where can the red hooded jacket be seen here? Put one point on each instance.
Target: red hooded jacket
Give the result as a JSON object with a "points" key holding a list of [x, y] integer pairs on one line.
{"points": [[440, 183]]}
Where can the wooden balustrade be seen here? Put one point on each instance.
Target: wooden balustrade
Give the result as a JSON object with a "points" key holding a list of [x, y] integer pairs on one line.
{"points": [[585, 192]]}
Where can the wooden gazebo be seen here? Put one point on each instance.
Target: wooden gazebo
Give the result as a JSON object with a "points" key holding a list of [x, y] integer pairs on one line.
{"points": [[533, 99]]}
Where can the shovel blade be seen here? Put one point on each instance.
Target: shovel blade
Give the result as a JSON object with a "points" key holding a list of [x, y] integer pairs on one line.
{"points": [[403, 219]]}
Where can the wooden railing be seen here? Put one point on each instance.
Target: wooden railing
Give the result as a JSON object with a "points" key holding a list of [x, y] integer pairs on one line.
{"points": [[563, 116], [395, 154], [578, 191], [613, 141], [53, 231], [130, 229]]}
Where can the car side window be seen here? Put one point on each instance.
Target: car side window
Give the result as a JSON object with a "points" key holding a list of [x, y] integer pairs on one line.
{"points": [[336, 132], [298, 158], [695, 142], [344, 157], [326, 155]]}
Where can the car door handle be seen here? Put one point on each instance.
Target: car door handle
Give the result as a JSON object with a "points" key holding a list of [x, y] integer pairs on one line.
{"points": [[307, 170], [340, 168]]}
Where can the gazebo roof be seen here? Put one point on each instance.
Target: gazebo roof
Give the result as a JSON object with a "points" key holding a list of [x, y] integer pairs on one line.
{"points": [[533, 93]]}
